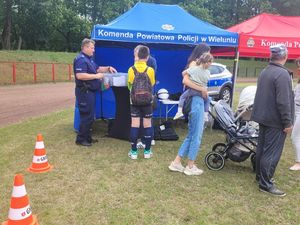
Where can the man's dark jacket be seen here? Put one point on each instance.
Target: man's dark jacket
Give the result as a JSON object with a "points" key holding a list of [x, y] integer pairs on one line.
{"points": [[274, 99]]}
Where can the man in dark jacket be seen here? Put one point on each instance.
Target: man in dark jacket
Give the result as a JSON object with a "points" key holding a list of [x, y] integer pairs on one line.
{"points": [[274, 111]]}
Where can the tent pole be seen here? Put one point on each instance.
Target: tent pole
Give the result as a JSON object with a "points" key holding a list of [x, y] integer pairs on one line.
{"points": [[235, 72]]}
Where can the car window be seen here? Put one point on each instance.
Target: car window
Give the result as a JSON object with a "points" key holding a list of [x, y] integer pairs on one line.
{"points": [[215, 69]]}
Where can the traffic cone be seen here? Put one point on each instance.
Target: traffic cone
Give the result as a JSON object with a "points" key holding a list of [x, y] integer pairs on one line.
{"points": [[40, 161], [20, 212]]}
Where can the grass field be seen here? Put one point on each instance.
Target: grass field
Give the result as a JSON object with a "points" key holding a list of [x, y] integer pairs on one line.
{"points": [[37, 56], [101, 185]]}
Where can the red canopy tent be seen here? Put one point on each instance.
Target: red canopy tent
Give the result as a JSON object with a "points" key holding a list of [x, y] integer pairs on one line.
{"points": [[257, 34]]}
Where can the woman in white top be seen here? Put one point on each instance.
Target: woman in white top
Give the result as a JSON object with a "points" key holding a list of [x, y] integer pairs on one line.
{"points": [[296, 128]]}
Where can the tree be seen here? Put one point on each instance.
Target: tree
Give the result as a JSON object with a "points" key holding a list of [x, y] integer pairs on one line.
{"points": [[68, 28], [226, 13], [197, 9], [287, 7], [7, 24]]}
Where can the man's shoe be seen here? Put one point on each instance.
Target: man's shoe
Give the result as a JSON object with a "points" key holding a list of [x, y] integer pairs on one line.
{"points": [[274, 191], [84, 143]]}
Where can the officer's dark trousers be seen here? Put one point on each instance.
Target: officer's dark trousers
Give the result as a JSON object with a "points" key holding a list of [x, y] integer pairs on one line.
{"points": [[86, 106], [268, 152]]}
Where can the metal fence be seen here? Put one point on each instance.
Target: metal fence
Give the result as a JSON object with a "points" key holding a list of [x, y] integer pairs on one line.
{"points": [[247, 71], [34, 72], [38, 72]]}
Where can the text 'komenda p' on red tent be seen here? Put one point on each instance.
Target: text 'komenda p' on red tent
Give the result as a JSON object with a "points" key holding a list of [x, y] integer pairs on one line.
{"points": [[257, 34]]}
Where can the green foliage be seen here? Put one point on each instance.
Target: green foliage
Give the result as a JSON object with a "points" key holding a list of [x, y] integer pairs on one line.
{"points": [[68, 27], [197, 9], [287, 7], [60, 25], [227, 13]]}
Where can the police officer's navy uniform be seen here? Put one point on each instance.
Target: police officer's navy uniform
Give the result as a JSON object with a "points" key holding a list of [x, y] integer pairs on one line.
{"points": [[85, 95]]}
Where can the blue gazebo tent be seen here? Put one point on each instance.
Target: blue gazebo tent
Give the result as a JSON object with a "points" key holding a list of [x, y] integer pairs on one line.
{"points": [[153, 23], [168, 30]]}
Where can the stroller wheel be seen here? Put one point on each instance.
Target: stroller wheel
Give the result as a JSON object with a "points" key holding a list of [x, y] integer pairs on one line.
{"points": [[220, 148], [214, 161], [253, 161]]}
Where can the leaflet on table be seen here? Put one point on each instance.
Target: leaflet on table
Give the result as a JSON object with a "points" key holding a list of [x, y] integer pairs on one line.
{"points": [[169, 102]]}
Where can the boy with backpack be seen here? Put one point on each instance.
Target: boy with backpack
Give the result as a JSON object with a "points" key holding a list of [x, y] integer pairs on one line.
{"points": [[141, 79]]}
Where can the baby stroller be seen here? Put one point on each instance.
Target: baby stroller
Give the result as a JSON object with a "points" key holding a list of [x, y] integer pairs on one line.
{"points": [[241, 134]]}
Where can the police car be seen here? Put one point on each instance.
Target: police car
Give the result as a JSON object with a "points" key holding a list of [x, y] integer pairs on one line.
{"points": [[220, 82]]}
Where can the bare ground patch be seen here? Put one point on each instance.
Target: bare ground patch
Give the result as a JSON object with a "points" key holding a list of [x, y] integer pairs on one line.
{"points": [[21, 102]]}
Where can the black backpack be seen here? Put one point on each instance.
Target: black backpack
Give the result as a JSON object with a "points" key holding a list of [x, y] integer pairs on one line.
{"points": [[141, 91]]}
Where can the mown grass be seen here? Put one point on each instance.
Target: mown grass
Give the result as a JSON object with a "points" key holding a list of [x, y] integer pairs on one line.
{"points": [[37, 56], [101, 185]]}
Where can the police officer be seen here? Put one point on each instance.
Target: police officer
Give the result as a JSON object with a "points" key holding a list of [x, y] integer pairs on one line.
{"points": [[88, 78]]}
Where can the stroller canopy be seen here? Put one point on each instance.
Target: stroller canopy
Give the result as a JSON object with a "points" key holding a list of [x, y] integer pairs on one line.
{"points": [[246, 98], [224, 115]]}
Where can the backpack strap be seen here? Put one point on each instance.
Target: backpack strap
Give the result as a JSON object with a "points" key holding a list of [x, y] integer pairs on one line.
{"points": [[146, 69], [134, 70]]}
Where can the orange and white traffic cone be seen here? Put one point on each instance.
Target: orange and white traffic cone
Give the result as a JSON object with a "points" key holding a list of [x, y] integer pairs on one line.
{"points": [[40, 161], [20, 212]]}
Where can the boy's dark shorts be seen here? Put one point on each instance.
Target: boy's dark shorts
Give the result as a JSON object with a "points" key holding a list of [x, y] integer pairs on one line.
{"points": [[141, 111]]}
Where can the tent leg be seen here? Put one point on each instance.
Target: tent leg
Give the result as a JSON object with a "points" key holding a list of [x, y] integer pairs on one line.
{"points": [[235, 72]]}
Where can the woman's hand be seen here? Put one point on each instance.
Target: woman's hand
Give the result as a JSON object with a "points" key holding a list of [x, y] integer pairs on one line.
{"points": [[204, 93]]}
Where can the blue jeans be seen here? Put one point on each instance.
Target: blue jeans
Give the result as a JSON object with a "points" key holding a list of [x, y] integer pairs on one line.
{"points": [[191, 143]]}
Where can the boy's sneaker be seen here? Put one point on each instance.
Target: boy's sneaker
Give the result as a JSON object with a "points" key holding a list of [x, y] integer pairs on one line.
{"points": [[148, 154], [178, 115], [192, 171], [132, 154], [176, 167]]}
